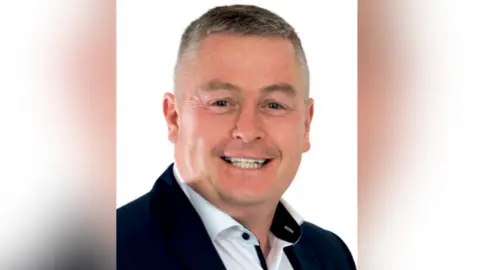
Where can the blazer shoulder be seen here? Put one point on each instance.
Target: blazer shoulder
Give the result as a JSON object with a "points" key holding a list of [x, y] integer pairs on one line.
{"points": [[327, 243], [133, 217]]}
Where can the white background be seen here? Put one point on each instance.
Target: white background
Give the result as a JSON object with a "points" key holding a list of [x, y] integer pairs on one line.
{"points": [[148, 34]]}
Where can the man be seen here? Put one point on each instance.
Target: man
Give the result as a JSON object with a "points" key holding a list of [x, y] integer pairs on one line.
{"points": [[239, 120]]}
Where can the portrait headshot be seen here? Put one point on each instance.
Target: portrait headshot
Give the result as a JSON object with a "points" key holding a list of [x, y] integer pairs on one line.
{"points": [[236, 136]]}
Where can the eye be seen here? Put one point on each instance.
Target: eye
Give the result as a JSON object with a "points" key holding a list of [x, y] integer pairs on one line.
{"points": [[221, 103], [275, 106]]}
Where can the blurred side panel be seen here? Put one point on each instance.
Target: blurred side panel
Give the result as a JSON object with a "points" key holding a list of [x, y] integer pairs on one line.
{"points": [[57, 139], [419, 150]]}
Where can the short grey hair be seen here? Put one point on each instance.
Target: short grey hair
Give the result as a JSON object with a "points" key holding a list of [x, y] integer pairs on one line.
{"points": [[247, 20]]}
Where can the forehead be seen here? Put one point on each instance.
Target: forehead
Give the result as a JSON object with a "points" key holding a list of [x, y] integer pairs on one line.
{"points": [[251, 62]]}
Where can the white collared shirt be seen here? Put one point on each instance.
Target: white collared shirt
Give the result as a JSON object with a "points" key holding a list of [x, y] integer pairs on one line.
{"points": [[234, 243]]}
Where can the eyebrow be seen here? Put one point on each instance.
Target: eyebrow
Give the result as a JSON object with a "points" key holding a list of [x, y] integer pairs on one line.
{"points": [[285, 88], [220, 85]]}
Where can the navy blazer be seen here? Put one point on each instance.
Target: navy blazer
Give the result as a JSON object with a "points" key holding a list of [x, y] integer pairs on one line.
{"points": [[162, 230]]}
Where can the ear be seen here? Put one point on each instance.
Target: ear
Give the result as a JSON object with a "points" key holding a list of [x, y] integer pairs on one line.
{"points": [[171, 116], [308, 122]]}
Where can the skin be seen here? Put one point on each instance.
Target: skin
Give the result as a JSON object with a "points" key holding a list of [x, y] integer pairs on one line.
{"points": [[240, 96]]}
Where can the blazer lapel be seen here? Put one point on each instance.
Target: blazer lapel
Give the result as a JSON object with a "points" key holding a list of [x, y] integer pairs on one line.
{"points": [[187, 235], [196, 251], [301, 258]]}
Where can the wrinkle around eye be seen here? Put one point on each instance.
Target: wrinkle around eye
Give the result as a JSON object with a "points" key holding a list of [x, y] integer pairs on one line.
{"points": [[192, 103]]}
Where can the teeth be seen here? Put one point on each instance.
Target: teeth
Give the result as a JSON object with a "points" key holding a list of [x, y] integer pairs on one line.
{"points": [[246, 163], [246, 160]]}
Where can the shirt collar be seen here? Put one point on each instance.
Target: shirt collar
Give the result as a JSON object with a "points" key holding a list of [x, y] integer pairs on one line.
{"points": [[285, 225], [214, 219]]}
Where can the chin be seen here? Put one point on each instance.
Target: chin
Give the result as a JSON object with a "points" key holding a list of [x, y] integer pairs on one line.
{"points": [[242, 198]]}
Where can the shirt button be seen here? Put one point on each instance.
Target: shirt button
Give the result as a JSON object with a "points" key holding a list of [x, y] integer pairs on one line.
{"points": [[245, 236]]}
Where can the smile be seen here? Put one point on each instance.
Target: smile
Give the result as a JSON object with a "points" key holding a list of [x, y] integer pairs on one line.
{"points": [[246, 163]]}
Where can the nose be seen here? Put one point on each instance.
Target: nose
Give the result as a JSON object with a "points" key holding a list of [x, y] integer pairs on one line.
{"points": [[248, 128]]}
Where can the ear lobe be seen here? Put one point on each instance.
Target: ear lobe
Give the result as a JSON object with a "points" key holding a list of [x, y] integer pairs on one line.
{"points": [[306, 143], [308, 122], [171, 116]]}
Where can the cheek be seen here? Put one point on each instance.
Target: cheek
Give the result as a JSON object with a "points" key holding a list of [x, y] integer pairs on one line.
{"points": [[205, 125], [287, 132]]}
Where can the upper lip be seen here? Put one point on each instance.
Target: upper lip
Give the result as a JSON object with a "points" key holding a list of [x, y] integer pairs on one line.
{"points": [[246, 157]]}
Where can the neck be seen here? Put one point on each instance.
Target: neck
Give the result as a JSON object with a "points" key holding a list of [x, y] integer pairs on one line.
{"points": [[256, 218]]}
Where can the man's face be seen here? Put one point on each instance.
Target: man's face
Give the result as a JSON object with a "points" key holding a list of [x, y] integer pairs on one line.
{"points": [[241, 119]]}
